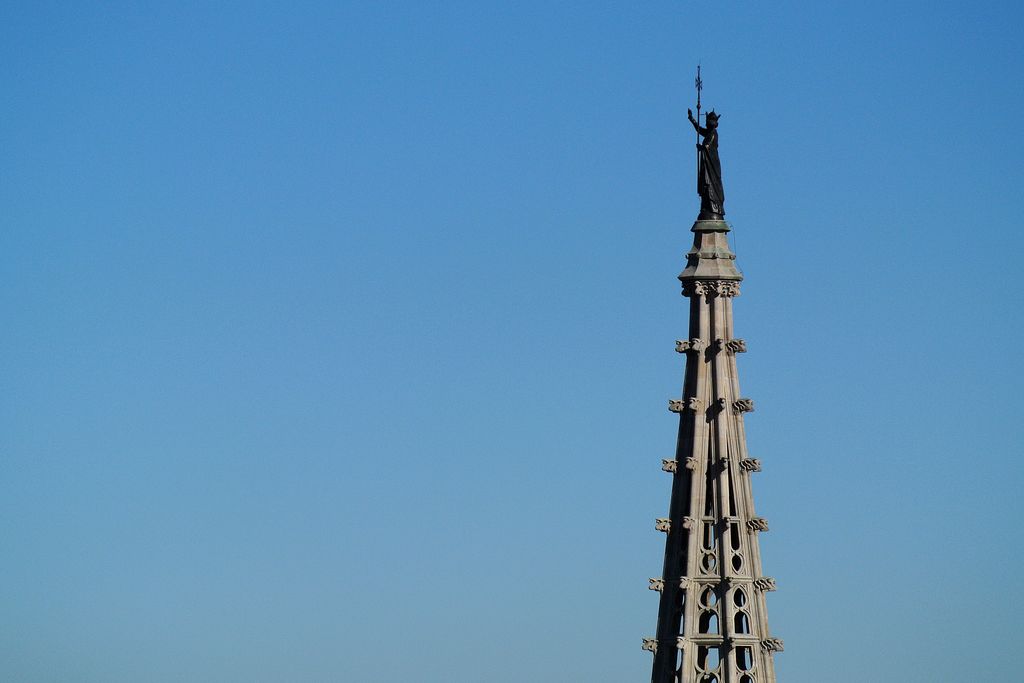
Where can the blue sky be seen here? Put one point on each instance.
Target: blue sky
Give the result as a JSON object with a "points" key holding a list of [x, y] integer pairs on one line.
{"points": [[339, 335]]}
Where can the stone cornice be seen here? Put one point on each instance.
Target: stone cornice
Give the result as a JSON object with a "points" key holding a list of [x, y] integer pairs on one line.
{"points": [[724, 288]]}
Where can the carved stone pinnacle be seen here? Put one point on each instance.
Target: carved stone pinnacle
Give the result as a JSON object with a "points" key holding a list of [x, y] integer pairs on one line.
{"points": [[713, 627]]}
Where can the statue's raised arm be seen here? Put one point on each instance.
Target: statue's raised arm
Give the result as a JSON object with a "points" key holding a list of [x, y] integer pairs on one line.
{"points": [[696, 126]]}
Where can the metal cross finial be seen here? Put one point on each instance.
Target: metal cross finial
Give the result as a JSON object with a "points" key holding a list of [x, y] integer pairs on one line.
{"points": [[700, 86]]}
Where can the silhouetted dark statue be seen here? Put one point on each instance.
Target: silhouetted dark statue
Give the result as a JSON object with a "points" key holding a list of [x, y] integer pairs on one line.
{"points": [[709, 171]]}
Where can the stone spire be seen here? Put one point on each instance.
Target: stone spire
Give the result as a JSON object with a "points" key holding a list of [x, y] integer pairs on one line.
{"points": [[712, 619]]}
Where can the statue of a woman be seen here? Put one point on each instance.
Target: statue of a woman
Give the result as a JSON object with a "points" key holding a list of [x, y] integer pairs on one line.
{"points": [[709, 173]]}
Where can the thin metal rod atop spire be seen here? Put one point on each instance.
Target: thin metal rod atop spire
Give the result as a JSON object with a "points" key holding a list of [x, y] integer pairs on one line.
{"points": [[700, 86]]}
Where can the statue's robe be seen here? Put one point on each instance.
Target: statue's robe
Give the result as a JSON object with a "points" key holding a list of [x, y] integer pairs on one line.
{"points": [[709, 177]]}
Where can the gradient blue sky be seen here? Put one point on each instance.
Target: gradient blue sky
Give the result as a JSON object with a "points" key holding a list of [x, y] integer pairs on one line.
{"points": [[338, 336]]}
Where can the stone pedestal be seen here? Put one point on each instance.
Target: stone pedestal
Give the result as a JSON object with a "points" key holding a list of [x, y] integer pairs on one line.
{"points": [[710, 258]]}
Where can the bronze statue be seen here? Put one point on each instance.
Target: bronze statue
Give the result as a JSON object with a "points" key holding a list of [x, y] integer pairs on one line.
{"points": [[709, 168]]}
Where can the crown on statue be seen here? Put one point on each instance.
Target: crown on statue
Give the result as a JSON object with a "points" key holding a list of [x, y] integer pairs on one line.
{"points": [[711, 115]]}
